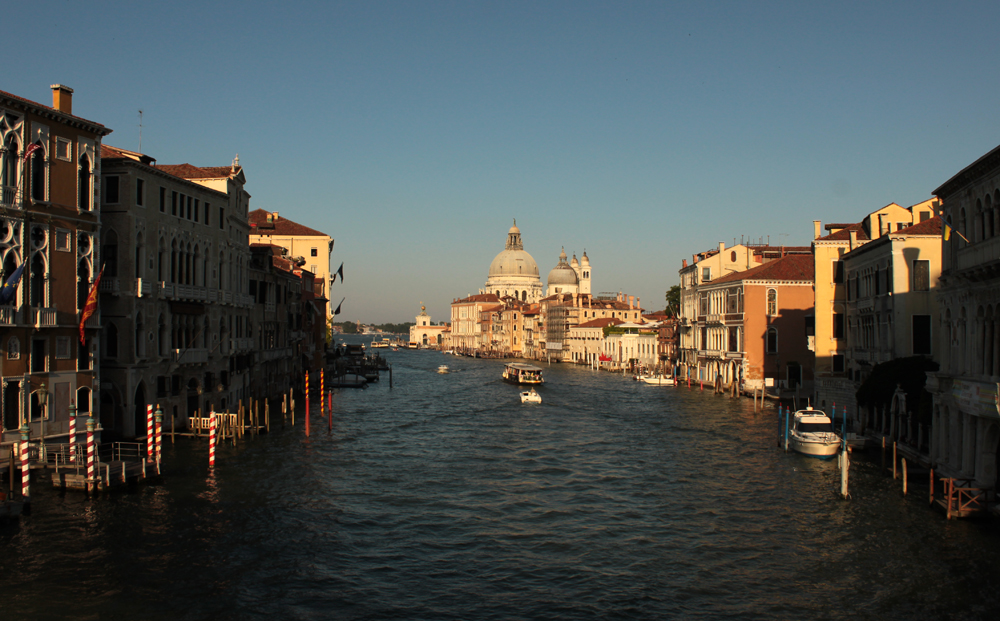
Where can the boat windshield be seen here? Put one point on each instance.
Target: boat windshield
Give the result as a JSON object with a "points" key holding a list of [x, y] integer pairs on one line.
{"points": [[815, 427]]}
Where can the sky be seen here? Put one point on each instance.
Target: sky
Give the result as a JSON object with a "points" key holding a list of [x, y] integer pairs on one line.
{"points": [[414, 133]]}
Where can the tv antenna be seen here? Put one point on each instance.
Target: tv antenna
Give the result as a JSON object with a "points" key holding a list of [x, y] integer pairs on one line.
{"points": [[140, 130]]}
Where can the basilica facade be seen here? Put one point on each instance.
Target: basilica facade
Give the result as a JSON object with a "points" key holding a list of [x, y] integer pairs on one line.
{"points": [[514, 273]]}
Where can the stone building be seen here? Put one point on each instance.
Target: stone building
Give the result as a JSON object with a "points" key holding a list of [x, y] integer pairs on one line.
{"points": [[50, 226], [177, 330], [966, 416]]}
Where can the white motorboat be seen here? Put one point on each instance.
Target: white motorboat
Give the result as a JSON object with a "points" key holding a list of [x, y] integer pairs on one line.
{"points": [[443, 369], [657, 380], [811, 433], [531, 396]]}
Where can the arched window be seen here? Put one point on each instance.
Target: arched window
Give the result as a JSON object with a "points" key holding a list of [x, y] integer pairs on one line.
{"points": [[85, 192], [111, 341], [109, 254], [13, 348], [772, 302], [38, 273], [38, 174], [771, 343], [8, 168], [82, 284]]}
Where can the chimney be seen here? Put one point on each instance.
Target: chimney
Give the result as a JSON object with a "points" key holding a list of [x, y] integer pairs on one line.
{"points": [[722, 246], [684, 262], [881, 225], [631, 299], [854, 238], [817, 227], [62, 98]]}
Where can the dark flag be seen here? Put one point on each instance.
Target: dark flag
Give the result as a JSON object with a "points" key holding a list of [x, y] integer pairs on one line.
{"points": [[10, 289], [340, 272], [91, 305], [337, 312]]}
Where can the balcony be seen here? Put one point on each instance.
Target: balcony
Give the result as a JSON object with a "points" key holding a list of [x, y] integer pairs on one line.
{"points": [[270, 307], [143, 287], [44, 317], [7, 315], [110, 285], [866, 304], [275, 354], [242, 344], [979, 254], [166, 289], [190, 356], [8, 196]]}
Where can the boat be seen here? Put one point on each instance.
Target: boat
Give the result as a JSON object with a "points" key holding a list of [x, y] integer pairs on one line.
{"points": [[443, 369], [811, 433], [531, 396], [657, 380], [522, 373], [379, 344]]}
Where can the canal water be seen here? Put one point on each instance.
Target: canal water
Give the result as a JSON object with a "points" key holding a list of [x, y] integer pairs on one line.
{"points": [[446, 498]]}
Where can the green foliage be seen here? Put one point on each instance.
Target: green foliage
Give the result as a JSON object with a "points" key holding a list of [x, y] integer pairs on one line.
{"points": [[673, 301], [910, 374]]}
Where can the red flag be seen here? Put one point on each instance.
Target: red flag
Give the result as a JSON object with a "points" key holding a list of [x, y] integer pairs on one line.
{"points": [[91, 305], [31, 149]]}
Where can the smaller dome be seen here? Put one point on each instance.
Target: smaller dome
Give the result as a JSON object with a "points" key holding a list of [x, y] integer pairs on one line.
{"points": [[514, 228], [584, 260], [562, 273], [574, 262]]}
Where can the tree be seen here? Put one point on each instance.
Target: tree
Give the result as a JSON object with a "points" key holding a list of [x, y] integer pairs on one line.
{"points": [[674, 301]]}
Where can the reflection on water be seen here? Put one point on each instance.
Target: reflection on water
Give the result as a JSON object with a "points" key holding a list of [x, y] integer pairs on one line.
{"points": [[447, 498]]}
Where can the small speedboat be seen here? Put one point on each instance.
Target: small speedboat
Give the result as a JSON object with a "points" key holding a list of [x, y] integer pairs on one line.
{"points": [[811, 433], [443, 369], [531, 396], [657, 380]]}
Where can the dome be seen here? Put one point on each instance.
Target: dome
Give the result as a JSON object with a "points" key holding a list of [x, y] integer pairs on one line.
{"points": [[563, 274], [513, 260], [584, 260]]}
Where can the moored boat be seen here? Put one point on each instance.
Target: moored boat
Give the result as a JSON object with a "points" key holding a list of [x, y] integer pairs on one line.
{"points": [[812, 434], [657, 380], [522, 373]]}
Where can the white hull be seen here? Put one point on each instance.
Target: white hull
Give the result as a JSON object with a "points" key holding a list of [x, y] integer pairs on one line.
{"points": [[658, 380], [814, 448], [531, 397]]}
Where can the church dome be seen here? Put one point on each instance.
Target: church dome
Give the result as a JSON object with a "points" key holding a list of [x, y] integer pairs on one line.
{"points": [[513, 260], [562, 274]]}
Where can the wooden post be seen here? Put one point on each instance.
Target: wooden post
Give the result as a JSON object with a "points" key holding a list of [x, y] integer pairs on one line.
{"points": [[932, 486], [883, 452], [894, 475], [845, 465], [267, 416], [949, 489], [904, 476], [173, 424], [284, 408]]}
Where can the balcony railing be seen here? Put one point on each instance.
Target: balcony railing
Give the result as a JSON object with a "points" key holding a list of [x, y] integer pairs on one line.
{"points": [[44, 317], [242, 344], [7, 315], [270, 307], [110, 285], [143, 287], [8, 196], [191, 356]]}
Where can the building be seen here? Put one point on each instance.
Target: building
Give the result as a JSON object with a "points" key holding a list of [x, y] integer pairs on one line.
{"points": [[752, 325], [569, 277], [50, 229], [965, 429], [704, 268], [585, 341], [309, 247], [176, 312], [424, 334], [466, 320], [630, 345], [830, 327], [514, 272], [276, 319]]}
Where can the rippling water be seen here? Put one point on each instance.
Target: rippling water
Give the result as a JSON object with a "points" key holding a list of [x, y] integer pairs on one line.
{"points": [[446, 498]]}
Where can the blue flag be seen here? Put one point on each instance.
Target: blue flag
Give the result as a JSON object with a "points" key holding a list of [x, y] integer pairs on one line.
{"points": [[9, 289]]}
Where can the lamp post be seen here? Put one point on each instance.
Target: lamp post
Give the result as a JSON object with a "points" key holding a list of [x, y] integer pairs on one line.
{"points": [[43, 400]]}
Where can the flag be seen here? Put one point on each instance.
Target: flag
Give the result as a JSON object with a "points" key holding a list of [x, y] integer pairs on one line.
{"points": [[340, 272], [337, 312], [31, 149], [947, 229], [10, 288], [91, 305]]}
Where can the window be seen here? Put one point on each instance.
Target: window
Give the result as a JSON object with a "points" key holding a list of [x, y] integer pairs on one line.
{"points": [[771, 341], [140, 192], [38, 356], [921, 335], [64, 149], [85, 191], [838, 363], [810, 325], [838, 325], [772, 302], [706, 274], [111, 189], [838, 272], [38, 175], [190, 205], [208, 207], [13, 349], [163, 200], [222, 217], [921, 275], [62, 347], [63, 240], [925, 215], [173, 203], [197, 206], [313, 252]]}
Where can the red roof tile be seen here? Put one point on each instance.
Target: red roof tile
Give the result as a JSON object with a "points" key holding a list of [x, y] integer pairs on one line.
{"points": [[279, 226], [187, 171], [845, 233], [792, 267], [38, 105], [927, 227], [601, 323]]}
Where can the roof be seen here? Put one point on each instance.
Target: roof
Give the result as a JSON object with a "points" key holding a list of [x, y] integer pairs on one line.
{"points": [[187, 171], [601, 323], [260, 225], [981, 167], [792, 267], [95, 127], [479, 297], [931, 226], [845, 233]]}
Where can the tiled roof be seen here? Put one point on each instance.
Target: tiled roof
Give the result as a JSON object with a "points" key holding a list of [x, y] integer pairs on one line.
{"points": [[38, 105], [845, 233], [927, 227], [479, 297], [601, 323], [792, 267], [187, 171], [279, 226]]}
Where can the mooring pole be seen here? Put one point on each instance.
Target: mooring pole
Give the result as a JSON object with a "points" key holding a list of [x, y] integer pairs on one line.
{"points": [[25, 466], [307, 403]]}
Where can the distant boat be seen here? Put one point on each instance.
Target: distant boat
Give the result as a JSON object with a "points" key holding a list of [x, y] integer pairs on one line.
{"points": [[522, 373], [443, 369], [531, 396], [657, 380]]}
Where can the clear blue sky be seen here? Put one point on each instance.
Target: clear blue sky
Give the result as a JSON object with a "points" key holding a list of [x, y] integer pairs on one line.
{"points": [[413, 132]]}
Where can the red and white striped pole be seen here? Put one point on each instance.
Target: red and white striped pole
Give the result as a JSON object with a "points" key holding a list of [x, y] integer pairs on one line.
{"points": [[25, 467], [72, 432], [307, 404], [159, 434], [149, 432], [211, 440], [91, 481]]}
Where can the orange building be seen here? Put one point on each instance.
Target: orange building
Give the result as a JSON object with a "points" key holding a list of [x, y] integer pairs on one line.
{"points": [[754, 324]]}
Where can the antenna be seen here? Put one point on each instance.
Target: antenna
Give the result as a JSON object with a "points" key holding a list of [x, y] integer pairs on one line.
{"points": [[140, 130]]}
